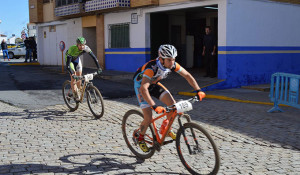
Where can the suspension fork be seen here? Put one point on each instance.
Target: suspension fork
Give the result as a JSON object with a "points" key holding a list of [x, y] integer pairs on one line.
{"points": [[183, 133], [87, 85], [83, 89]]}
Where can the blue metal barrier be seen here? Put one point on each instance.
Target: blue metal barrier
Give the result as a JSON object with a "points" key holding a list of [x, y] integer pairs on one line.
{"points": [[284, 90]]}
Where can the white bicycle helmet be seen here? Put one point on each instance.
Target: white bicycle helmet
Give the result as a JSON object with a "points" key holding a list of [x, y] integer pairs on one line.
{"points": [[167, 51]]}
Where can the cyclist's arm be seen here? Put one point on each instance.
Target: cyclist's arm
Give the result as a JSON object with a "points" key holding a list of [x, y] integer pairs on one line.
{"points": [[190, 79], [95, 59], [88, 50], [69, 58]]}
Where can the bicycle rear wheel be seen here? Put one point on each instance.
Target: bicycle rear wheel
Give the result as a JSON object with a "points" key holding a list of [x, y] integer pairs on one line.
{"points": [[130, 128], [197, 150], [69, 96], [95, 101]]}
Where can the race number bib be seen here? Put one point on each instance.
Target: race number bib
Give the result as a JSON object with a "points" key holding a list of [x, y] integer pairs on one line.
{"points": [[88, 77], [183, 106]]}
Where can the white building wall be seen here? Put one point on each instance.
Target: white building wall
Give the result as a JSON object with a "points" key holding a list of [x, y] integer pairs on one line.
{"points": [[262, 23], [48, 46], [222, 22], [31, 30], [140, 33], [137, 31]]}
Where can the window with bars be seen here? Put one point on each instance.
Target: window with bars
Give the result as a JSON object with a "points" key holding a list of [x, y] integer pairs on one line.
{"points": [[119, 35]]}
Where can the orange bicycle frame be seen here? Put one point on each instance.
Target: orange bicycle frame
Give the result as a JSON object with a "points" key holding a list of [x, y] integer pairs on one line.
{"points": [[161, 139]]}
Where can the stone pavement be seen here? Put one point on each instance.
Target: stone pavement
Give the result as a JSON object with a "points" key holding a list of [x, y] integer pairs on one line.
{"points": [[55, 141]]}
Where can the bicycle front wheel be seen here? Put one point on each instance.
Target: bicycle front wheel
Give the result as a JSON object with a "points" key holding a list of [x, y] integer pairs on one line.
{"points": [[69, 96], [130, 129], [95, 101], [197, 150]]}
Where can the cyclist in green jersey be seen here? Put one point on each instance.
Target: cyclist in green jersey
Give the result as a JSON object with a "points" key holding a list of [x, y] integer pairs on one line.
{"points": [[73, 62]]}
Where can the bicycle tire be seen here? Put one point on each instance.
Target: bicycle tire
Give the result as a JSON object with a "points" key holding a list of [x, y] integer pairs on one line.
{"points": [[131, 122], [67, 95], [206, 146], [94, 97]]}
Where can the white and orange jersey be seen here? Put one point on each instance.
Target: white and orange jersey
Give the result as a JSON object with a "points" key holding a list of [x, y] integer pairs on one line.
{"points": [[154, 71]]}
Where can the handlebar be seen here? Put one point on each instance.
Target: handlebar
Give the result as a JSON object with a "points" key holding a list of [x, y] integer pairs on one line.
{"points": [[173, 107], [82, 77]]}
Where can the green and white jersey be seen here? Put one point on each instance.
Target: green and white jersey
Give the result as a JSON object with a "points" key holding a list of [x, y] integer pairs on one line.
{"points": [[73, 58], [75, 53]]}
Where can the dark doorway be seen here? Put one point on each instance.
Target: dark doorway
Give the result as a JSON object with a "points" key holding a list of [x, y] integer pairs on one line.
{"points": [[176, 42], [185, 32], [196, 28], [215, 32], [159, 33]]}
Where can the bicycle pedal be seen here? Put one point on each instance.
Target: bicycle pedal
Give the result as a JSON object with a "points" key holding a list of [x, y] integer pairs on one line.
{"points": [[172, 135]]}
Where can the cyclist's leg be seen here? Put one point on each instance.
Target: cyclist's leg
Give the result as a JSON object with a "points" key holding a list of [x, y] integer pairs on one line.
{"points": [[147, 119], [165, 96], [79, 72], [147, 112], [162, 93], [72, 79]]}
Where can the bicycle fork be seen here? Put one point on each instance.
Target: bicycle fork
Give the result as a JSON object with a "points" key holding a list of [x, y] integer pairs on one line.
{"points": [[184, 134], [84, 86]]}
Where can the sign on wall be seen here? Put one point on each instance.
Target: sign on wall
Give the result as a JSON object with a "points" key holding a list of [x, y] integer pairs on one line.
{"points": [[134, 18]]}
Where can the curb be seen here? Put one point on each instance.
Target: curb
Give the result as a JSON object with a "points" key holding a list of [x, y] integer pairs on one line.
{"points": [[25, 64], [263, 89], [112, 77], [219, 81], [220, 97]]}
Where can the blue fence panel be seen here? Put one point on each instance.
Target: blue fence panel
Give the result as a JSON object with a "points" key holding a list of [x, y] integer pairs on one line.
{"points": [[284, 90]]}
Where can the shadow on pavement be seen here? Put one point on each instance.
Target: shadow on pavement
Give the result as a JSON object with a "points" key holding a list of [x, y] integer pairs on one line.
{"points": [[102, 164], [33, 78], [57, 115]]}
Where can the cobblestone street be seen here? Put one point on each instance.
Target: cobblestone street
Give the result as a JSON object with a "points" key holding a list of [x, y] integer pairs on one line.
{"points": [[79, 79], [55, 141]]}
